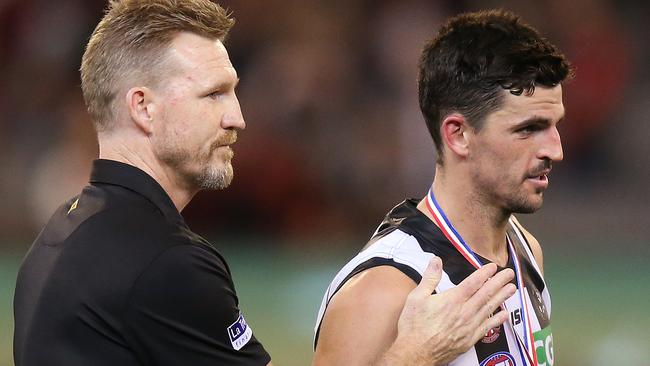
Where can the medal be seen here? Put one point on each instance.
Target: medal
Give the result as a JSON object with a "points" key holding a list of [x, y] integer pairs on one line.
{"points": [[526, 345]]}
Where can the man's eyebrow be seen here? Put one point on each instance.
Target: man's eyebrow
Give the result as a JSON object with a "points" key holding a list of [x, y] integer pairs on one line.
{"points": [[224, 84], [536, 120]]}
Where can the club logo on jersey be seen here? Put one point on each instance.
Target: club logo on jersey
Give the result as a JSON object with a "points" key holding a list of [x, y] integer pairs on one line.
{"points": [[73, 206], [239, 333], [499, 359], [492, 335]]}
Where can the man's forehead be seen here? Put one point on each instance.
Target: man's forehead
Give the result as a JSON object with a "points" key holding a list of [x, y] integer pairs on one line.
{"points": [[191, 51], [545, 101]]}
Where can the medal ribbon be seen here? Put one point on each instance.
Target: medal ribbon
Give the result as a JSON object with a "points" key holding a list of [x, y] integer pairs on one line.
{"points": [[457, 241]]}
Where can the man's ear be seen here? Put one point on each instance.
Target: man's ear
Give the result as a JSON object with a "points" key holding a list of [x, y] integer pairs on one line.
{"points": [[454, 133], [141, 108]]}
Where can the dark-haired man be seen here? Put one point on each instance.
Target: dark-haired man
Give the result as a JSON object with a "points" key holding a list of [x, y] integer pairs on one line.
{"points": [[116, 277], [490, 91]]}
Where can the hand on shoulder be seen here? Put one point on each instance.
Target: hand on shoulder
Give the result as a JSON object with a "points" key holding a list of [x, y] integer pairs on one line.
{"points": [[380, 317]]}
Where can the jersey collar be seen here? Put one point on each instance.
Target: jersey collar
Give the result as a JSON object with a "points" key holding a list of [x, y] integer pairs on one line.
{"points": [[132, 178]]}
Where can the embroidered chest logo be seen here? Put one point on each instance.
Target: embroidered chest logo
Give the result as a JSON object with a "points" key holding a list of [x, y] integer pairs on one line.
{"points": [[492, 335], [73, 206], [239, 333], [499, 359]]}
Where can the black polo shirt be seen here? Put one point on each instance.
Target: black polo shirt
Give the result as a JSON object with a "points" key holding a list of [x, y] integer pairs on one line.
{"points": [[117, 278]]}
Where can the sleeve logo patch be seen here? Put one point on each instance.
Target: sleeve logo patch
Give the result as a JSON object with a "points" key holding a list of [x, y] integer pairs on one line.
{"points": [[239, 333]]}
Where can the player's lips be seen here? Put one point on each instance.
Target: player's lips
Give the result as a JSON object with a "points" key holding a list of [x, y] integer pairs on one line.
{"points": [[229, 142], [539, 179], [226, 144]]}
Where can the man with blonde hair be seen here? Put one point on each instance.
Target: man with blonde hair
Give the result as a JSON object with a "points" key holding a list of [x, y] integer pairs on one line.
{"points": [[116, 277]]}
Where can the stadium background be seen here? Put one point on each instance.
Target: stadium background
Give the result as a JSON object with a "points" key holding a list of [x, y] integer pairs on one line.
{"points": [[334, 138]]}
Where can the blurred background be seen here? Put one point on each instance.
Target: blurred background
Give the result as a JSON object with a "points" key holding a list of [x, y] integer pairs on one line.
{"points": [[335, 138]]}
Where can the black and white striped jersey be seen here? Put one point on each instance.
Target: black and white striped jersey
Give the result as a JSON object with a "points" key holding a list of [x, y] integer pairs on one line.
{"points": [[407, 239]]}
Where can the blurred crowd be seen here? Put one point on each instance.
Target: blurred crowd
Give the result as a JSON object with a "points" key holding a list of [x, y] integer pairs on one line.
{"points": [[334, 135]]}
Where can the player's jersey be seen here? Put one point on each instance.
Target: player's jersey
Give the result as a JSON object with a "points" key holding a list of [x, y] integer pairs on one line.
{"points": [[407, 239]]}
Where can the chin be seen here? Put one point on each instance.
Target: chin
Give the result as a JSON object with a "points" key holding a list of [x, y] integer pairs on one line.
{"points": [[528, 208], [215, 177], [526, 205]]}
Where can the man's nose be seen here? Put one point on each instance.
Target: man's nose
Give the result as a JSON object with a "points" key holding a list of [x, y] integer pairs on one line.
{"points": [[552, 148], [233, 118]]}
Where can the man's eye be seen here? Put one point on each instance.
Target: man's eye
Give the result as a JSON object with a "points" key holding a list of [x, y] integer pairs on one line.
{"points": [[215, 95], [529, 129]]}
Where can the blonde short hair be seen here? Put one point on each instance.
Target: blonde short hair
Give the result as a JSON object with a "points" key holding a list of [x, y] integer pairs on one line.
{"points": [[131, 40]]}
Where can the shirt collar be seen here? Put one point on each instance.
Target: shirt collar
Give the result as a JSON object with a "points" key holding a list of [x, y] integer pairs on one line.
{"points": [[132, 178], [409, 219]]}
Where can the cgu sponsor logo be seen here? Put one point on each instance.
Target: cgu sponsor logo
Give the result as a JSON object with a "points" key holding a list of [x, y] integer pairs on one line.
{"points": [[499, 359], [544, 347]]}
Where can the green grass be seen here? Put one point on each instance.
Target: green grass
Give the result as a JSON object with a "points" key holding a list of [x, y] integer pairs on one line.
{"points": [[8, 269], [599, 314], [600, 310]]}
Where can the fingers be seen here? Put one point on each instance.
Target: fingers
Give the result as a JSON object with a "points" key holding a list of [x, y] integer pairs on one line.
{"points": [[430, 278], [489, 323], [486, 318], [493, 292], [473, 282], [500, 298]]}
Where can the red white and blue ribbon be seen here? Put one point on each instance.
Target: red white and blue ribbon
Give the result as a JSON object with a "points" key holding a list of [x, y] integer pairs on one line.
{"points": [[528, 355]]}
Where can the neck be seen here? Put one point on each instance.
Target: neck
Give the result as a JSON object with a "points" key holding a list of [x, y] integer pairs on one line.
{"points": [[482, 227], [144, 159]]}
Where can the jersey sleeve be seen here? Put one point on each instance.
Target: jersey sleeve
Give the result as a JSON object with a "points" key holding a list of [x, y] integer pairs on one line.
{"points": [[183, 310]]}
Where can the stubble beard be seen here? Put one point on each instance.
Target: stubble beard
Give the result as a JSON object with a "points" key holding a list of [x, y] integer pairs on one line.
{"points": [[524, 205], [514, 199], [209, 176], [522, 202], [214, 178]]}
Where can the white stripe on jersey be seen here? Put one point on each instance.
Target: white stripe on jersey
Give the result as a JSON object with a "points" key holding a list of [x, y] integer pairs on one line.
{"points": [[398, 246], [404, 249]]}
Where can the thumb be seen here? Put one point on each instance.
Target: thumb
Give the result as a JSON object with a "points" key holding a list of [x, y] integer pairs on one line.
{"points": [[430, 277]]}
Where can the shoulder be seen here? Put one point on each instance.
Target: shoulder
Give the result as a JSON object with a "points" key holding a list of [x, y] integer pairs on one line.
{"points": [[183, 309], [186, 267], [124, 220], [396, 249], [186, 284], [361, 318], [535, 247], [115, 208], [382, 283]]}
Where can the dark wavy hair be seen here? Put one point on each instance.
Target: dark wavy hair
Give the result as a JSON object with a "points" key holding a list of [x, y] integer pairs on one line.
{"points": [[474, 58]]}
